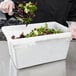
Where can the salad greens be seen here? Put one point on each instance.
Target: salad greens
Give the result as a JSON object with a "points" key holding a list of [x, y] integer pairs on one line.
{"points": [[26, 12], [43, 30]]}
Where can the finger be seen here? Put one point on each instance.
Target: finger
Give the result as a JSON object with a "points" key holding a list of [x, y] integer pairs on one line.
{"points": [[73, 34], [10, 12], [13, 5], [6, 9], [3, 7], [74, 29]]}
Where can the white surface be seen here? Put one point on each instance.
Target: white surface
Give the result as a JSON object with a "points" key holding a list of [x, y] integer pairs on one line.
{"points": [[41, 70], [37, 50], [7, 68], [60, 68], [4, 59]]}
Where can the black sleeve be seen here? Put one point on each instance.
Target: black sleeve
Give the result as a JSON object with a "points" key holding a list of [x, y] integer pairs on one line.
{"points": [[72, 13], [18, 1]]}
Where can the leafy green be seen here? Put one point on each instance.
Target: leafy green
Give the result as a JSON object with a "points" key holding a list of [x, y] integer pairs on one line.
{"points": [[43, 31], [30, 7], [26, 11]]}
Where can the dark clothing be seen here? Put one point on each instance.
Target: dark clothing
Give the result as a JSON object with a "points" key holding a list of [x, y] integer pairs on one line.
{"points": [[55, 10]]}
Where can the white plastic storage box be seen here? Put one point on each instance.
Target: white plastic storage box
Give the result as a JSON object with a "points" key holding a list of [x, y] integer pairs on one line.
{"points": [[26, 52]]}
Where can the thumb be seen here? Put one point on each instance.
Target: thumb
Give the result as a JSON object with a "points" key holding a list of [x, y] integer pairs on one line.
{"points": [[10, 12]]}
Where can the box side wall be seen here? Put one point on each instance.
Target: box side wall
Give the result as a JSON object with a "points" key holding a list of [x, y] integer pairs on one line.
{"points": [[12, 52], [42, 52]]}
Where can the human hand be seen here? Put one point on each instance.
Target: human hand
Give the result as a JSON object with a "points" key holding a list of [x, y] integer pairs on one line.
{"points": [[7, 6], [73, 29]]}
